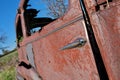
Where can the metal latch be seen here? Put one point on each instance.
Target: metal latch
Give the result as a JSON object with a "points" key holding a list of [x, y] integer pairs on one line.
{"points": [[77, 43]]}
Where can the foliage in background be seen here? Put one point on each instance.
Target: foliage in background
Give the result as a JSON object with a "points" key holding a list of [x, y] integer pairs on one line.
{"points": [[56, 8], [3, 39], [7, 66]]}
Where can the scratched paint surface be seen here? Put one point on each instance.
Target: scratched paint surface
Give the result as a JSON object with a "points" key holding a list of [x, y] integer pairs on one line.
{"points": [[103, 1], [53, 63], [72, 64], [106, 26], [77, 63]]}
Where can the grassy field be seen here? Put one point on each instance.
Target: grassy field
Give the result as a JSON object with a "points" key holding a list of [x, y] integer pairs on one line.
{"points": [[7, 66]]}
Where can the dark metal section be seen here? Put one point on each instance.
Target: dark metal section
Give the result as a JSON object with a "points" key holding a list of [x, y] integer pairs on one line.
{"points": [[77, 43], [27, 66], [96, 52]]}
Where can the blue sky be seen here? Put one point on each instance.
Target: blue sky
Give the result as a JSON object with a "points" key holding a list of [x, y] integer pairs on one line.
{"points": [[8, 10], [7, 21]]}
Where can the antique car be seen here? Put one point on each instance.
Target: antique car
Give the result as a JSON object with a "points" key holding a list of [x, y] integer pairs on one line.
{"points": [[83, 44]]}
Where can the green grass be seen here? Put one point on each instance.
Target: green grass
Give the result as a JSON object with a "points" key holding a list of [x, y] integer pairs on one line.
{"points": [[7, 66], [8, 74]]}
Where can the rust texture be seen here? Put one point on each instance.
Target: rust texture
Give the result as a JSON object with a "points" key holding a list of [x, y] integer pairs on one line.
{"points": [[49, 62], [107, 32]]}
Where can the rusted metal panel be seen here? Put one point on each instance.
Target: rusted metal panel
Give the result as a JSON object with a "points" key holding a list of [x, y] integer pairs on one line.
{"points": [[101, 1], [107, 31], [53, 53], [28, 74], [90, 3], [53, 63], [105, 1], [71, 64]]}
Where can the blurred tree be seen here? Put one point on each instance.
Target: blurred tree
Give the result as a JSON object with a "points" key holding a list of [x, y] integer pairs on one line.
{"points": [[3, 39], [5, 51], [56, 8]]}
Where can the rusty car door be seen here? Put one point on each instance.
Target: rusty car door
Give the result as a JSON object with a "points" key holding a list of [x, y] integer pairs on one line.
{"points": [[62, 50], [65, 49], [105, 22]]}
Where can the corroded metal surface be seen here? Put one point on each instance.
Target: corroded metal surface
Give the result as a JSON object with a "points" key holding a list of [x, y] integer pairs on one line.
{"points": [[72, 64], [107, 31], [55, 64], [108, 39], [49, 62]]}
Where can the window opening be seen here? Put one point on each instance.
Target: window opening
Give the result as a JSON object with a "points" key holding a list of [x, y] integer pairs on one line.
{"points": [[40, 13]]}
